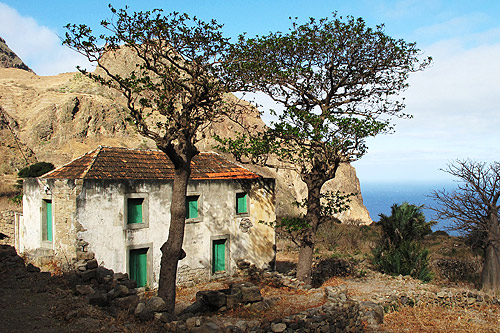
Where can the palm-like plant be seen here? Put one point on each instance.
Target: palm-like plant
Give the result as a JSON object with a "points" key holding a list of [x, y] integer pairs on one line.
{"points": [[400, 250]]}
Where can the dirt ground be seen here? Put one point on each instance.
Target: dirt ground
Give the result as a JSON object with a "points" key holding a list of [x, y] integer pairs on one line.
{"points": [[38, 302]]}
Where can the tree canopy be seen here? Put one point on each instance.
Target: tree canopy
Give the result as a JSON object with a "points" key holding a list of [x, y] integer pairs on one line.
{"points": [[173, 90], [339, 83]]}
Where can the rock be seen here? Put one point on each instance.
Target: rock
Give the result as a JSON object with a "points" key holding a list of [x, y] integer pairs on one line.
{"points": [[92, 264], [32, 269], [88, 275], [156, 304], [208, 327], [99, 300], [193, 322], [80, 255], [442, 294], [278, 327], [249, 292], [212, 298], [126, 303], [120, 291], [233, 300], [120, 276], [142, 313], [130, 284], [166, 317], [84, 290], [372, 312]]}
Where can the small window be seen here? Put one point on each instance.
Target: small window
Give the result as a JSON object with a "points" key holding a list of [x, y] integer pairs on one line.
{"points": [[47, 221], [192, 207], [241, 203], [134, 210]]}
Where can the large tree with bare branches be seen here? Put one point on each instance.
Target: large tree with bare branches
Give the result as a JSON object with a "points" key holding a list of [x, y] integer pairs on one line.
{"points": [[339, 82], [473, 209], [173, 90]]}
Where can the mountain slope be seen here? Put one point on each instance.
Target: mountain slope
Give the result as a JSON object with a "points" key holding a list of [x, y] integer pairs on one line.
{"points": [[8, 59]]}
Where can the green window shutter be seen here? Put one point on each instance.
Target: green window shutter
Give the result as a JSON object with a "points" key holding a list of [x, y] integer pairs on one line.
{"points": [[219, 255], [138, 264], [47, 227], [134, 210], [191, 207], [241, 203]]}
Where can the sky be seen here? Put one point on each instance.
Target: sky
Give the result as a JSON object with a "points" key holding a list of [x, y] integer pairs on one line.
{"points": [[455, 102]]}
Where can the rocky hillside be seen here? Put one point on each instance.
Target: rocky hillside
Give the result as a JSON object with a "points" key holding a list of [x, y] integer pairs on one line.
{"points": [[8, 59], [58, 118]]}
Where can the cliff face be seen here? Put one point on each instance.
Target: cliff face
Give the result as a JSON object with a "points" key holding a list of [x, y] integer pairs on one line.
{"points": [[58, 118]]}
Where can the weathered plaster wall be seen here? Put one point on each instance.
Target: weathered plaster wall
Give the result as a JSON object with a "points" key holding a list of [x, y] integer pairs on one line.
{"points": [[102, 210], [63, 195]]}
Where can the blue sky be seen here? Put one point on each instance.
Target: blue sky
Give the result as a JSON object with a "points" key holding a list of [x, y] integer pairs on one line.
{"points": [[455, 102]]}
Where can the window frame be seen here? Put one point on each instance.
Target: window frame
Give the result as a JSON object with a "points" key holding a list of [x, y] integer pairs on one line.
{"points": [[145, 211], [199, 218], [247, 202]]}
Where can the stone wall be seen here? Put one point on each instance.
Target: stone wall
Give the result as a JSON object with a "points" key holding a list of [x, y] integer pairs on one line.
{"points": [[7, 227]]}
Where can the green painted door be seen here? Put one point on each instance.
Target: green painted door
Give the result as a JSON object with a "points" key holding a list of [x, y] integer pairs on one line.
{"points": [[138, 263], [47, 230], [219, 255]]}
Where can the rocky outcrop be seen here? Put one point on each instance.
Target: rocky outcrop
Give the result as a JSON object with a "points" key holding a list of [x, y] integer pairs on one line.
{"points": [[8, 59]]}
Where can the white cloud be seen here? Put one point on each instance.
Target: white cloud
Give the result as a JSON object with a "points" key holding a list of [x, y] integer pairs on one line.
{"points": [[38, 46], [456, 113]]}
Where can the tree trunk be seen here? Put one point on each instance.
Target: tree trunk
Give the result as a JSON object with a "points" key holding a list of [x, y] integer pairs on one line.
{"points": [[171, 250], [491, 270], [313, 215], [304, 266]]}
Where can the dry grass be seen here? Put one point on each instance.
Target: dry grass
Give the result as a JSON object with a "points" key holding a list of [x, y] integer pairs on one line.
{"points": [[431, 318]]}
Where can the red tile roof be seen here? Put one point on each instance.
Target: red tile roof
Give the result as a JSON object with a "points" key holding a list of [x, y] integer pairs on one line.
{"points": [[123, 163]]}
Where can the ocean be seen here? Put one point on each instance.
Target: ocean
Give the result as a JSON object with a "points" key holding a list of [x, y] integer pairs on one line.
{"points": [[379, 197]]}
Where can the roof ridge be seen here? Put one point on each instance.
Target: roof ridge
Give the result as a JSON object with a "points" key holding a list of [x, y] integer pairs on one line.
{"points": [[94, 158]]}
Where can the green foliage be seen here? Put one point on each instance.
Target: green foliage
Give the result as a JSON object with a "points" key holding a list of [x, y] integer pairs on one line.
{"points": [[338, 82], [331, 203], [407, 259], [400, 250], [35, 170]]}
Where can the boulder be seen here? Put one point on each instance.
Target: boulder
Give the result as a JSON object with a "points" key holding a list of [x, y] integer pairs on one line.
{"points": [[156, 304], [142, 313], [84, 290], [92, 264]]}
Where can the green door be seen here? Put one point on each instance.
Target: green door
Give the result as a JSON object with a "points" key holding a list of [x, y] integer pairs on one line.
{"points": [[219, 255], [138, 263], [47, 228]]}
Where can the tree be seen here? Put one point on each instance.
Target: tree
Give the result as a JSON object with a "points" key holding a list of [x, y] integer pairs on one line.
{"points": [[338, 81], [172, 93], [400, 250], [35, 170], [473, 209]]}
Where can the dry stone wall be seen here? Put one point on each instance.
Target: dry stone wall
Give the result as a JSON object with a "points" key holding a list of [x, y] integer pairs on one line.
{"points": [[7, 227]]}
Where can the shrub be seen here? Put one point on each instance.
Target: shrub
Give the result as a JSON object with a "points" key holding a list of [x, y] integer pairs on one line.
{"points": [[35, 170], [400, 251]]}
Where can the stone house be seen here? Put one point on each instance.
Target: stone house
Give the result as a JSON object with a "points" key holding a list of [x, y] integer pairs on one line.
{"points": [[115, 202]]}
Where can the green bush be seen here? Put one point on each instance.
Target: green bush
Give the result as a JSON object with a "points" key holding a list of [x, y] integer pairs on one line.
{"points": [[400, 251], [35, 170]]}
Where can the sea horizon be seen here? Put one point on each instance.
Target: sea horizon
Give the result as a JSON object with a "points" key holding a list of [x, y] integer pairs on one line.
{"points": [[379, 196]]}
